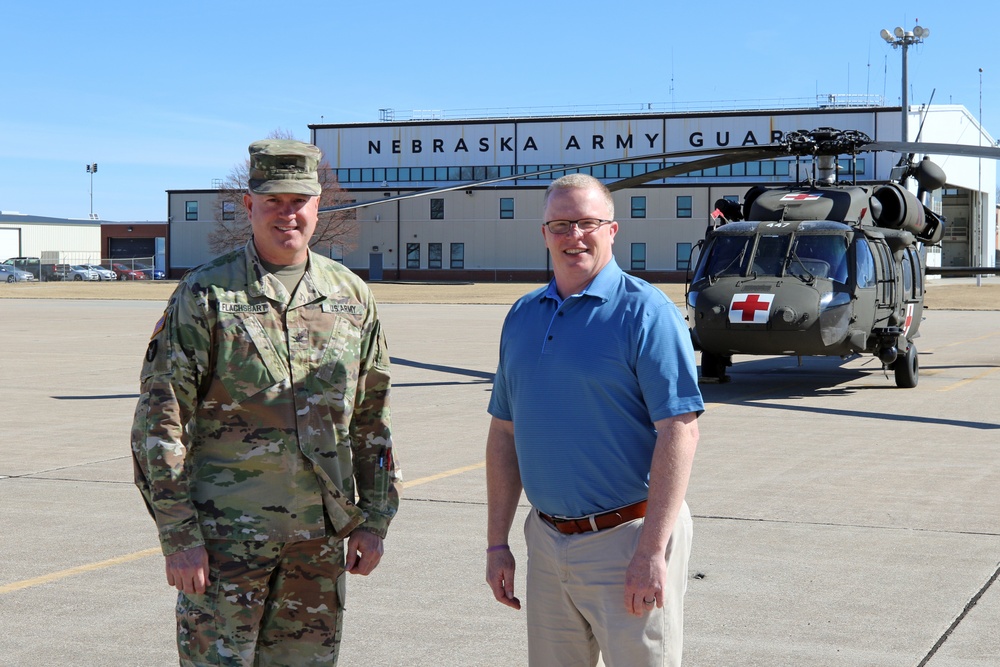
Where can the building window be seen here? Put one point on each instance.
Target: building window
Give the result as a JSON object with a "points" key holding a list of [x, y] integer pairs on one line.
{"points": [[506, 208], [413, 255], [437, 209], [190, 210], [638, 207], [434, 253], [228, 210], [638, 256], [458, 255], [684, 206], [683, 256]]}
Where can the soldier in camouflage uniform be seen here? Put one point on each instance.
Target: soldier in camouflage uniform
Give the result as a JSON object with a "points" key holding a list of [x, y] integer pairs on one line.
{"points": [[262, 438]]}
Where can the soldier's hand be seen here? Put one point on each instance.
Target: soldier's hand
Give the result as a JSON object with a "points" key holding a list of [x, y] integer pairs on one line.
{"points": [[500, 577], [364, 551], [187, 571]]}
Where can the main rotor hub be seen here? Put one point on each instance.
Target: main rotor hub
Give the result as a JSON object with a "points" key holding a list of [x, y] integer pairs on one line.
{"points": [[825, 141]]}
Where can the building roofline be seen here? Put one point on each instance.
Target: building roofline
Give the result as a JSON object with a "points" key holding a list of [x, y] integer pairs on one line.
{"points": [[652, 115]]}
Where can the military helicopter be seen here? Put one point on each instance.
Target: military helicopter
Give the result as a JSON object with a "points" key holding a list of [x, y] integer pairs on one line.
{"points": [[819, 268]]}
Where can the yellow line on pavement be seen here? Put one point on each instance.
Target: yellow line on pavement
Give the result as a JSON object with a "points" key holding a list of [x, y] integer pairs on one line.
{"points": [[442, 475], [964, 342], [962, 383], [55, 576]]}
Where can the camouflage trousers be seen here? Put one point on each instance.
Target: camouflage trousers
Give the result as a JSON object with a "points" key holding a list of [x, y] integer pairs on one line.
{"points": [[268, 603]]}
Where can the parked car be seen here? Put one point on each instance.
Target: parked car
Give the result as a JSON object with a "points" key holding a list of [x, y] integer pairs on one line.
{"points": [[103, 272], [155, 274], [73, 272], [29, 264], [125, 272], [11, 274]]}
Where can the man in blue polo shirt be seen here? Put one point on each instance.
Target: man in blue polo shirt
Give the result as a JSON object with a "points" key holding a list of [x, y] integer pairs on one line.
{"points": [[594, 414]]}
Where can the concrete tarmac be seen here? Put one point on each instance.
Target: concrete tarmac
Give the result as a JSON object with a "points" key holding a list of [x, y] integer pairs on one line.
{"points": [[839, 521]]}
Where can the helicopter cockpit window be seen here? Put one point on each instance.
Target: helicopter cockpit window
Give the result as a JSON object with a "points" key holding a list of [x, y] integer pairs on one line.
{"points": [[727, 256], [769, 258], [866, 263], [820, 257]]}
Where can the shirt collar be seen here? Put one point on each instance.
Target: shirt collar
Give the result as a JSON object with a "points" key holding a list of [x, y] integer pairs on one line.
{"points": [[261, 283], [601, 286]]}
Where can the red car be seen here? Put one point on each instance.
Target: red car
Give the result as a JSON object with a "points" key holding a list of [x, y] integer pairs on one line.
{"points": [[127, 273]]}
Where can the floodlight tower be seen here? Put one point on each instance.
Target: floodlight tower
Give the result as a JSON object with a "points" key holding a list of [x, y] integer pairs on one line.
{"points": [[900, 38]]}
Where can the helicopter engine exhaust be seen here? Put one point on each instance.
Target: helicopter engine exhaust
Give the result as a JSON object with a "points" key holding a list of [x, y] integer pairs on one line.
{"points": [[898, 208]]}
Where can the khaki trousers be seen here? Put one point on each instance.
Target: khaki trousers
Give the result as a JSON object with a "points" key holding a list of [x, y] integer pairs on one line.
{"points": [[575, 598]]}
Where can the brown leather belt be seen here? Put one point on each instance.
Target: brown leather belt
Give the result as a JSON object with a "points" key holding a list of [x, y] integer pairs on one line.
{"points": [[595, 522]]}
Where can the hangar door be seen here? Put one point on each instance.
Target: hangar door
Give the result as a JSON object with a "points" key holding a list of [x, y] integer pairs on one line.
{"points": [[132, 248], [10, 243]]}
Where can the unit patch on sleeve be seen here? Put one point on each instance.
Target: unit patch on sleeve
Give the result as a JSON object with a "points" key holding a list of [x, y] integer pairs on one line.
{"points": [[159, 325]]}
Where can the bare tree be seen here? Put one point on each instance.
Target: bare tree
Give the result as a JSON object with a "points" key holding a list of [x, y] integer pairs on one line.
{"points": [[336, 232]]}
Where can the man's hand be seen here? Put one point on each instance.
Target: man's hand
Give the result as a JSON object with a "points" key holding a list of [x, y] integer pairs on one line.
{"points": [[364, 551], [187, 570], [500, 577], [645, 580]]}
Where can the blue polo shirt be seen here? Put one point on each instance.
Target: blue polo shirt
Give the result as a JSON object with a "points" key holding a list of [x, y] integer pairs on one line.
{"points": [[583, 379]]}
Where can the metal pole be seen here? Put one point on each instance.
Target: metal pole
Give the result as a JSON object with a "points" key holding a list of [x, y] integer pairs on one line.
{"points": [[905, 125], [980, 236]]}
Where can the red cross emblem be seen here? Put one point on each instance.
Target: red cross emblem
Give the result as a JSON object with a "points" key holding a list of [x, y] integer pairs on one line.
{"points": [[753, 308]]}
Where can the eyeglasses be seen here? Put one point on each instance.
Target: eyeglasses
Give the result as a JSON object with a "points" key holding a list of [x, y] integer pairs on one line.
{"points": [[585, 225]]}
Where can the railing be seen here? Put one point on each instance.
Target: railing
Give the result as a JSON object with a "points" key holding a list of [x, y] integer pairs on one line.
{"points": [[825, 101]]}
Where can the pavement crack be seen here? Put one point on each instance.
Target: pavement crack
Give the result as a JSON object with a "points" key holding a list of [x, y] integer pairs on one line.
{"points": [[34, 474], [834, 524], [965, 612]]}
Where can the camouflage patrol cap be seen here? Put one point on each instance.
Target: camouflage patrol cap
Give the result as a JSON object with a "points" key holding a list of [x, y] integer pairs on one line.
{"points": [[279, 166]]}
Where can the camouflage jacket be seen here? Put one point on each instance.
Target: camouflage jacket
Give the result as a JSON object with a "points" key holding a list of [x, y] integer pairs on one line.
{"points": [[260, 419]]}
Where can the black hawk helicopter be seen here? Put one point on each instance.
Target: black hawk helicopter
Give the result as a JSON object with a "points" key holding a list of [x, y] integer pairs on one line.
{"points": [[818, 268]]}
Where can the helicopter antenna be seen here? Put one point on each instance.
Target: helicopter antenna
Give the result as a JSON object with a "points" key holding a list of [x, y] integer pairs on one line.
{"points": [[885, 74], [926, 113], [868, 72], [672, 108]]}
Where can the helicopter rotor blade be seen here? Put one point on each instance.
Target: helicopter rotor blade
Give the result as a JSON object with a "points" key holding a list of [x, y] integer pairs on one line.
{"points": [[679, 169], [695, 165], [963, 150], [796, 143]]}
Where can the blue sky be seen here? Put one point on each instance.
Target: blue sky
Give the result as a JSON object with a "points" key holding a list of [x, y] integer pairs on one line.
{"points": [[168, 95]]}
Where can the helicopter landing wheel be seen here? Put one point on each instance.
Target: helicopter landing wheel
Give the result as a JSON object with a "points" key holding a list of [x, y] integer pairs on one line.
{"points": [[906, 368], [713, 367]]}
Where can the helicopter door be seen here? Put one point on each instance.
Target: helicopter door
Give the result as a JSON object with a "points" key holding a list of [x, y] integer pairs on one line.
{"points": [[913, 290], [886, 279]]}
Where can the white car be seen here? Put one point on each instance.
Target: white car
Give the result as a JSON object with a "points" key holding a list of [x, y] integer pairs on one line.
{"points": [[11, 274], [103, 272]]}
